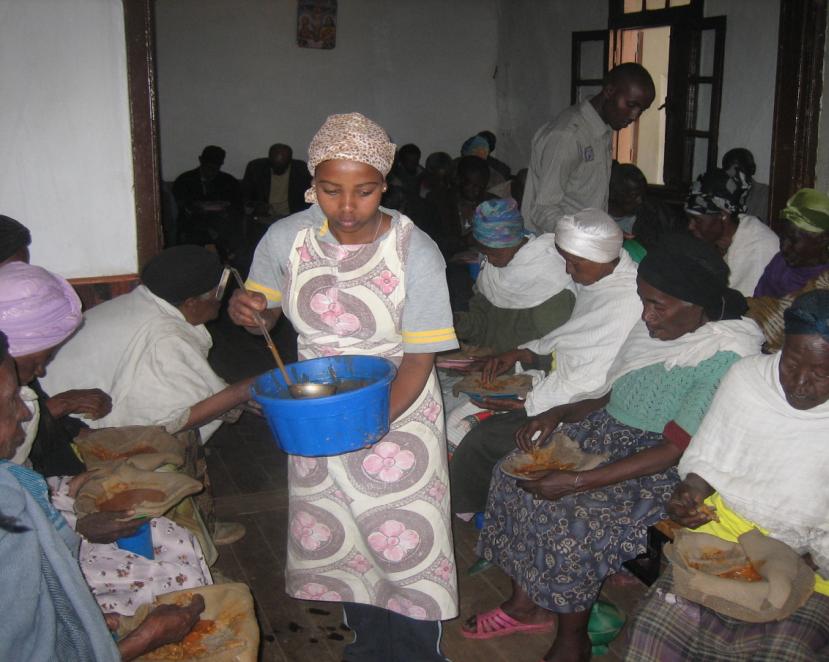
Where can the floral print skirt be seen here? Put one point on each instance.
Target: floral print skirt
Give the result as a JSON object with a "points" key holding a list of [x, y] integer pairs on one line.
{"points": [[560, 551]]}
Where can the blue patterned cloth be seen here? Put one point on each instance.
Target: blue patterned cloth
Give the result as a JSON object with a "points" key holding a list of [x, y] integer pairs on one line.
{"points": [[560, 551]]}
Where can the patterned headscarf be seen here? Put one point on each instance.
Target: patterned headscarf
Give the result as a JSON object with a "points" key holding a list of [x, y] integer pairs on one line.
{"points": [[350, 137], [476, 146], [809, 314], [717, 191], [590, 234], [498, 224], [808, 210], [38, 309]]}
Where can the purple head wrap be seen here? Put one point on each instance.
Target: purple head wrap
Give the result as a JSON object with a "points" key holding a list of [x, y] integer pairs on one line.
{"points": [[38, 309]]}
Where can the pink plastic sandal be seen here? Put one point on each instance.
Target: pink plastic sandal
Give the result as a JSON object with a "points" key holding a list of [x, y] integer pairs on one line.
{"points": [[497, 623]]}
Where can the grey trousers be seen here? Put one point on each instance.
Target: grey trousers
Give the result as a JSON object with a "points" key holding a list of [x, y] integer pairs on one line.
{"points": [[471, 467]]}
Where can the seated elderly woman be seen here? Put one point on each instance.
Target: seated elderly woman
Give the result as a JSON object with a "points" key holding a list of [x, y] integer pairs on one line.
{"points": [[520, 292], [606, 308], [148, 349], [560, 535], [715, 209], [45, 311], [53, 616], [804, 246], [760, 460]]}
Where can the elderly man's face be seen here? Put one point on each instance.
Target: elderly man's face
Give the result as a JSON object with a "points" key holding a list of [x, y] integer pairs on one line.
{"points": [[12, 410], [707, 227], [804, 370], [34, 365], [584, 271], [803, 249], [280, 159], [667, 317]]}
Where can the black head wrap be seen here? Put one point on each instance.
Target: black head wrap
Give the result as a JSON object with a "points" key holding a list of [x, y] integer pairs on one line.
{"points": [[692, 270], [809, 314], [717, 191], [181, 272], [13, 236]]}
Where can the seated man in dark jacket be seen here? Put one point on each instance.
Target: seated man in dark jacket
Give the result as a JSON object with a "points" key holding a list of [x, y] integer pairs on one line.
{"points": [[209, 203], [275, 186]]}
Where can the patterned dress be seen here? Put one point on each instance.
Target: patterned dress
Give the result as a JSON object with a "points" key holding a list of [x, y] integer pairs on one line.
{"points": [[371, 526], [560, 551]]}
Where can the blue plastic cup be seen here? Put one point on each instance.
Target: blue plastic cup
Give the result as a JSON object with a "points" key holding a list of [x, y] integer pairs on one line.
{"points": [[474, 270], [140, 542]]}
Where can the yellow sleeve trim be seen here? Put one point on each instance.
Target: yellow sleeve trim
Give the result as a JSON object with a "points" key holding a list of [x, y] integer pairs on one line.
{"points": [[428, 337], [270, 294]]}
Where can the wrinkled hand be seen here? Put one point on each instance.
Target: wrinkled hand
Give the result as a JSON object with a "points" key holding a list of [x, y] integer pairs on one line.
{"points": [[683, 506], [498, 365], [244, 306], [92, 403], [537, 430], [169, 624], [551, 486], [104, 527], [499, 404]]}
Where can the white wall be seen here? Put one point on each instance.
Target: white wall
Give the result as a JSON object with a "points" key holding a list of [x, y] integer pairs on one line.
{"points": [[749, 76], [231, 74], [64, 127], [534, 66]]}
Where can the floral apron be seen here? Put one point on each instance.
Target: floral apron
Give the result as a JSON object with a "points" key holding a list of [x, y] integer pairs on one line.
{"points": [[371, 526]]}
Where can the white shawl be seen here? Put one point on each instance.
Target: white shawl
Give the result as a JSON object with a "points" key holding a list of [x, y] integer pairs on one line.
{"points": [[768, 461], [753, 246], [536, 273], [585, 346], [742, 336], [29, 398], [163, 372]]}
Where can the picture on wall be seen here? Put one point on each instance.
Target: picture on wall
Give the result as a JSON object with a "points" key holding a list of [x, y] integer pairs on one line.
{"points": [[316, 23]]}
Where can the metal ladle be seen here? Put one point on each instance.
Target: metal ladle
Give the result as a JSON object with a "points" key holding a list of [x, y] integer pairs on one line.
{"points": [[303, 391]]}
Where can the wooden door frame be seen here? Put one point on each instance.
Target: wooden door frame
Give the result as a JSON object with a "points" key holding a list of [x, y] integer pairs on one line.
{"points": [[139, 29], [797, 95]]}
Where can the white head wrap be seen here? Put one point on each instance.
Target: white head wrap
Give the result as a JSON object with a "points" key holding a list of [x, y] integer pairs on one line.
{"points": [[590, 234]]}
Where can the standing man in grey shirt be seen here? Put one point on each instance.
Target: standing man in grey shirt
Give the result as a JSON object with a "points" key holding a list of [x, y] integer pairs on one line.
{"points": [[570, 159]]}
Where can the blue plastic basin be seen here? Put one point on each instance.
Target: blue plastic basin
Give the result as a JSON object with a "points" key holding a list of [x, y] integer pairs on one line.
{"points": [[335, 424]]}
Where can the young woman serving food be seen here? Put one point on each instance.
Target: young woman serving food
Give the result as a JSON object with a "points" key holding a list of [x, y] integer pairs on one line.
{"points": [[369, 528]]}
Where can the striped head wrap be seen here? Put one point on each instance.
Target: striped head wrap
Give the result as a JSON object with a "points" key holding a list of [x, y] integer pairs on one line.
{"points": [[350, 137], [498, 224]]}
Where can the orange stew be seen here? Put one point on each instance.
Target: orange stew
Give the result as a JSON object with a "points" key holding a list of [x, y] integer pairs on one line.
{"points": [[106, 454], [129, 499], [745, 573]]}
